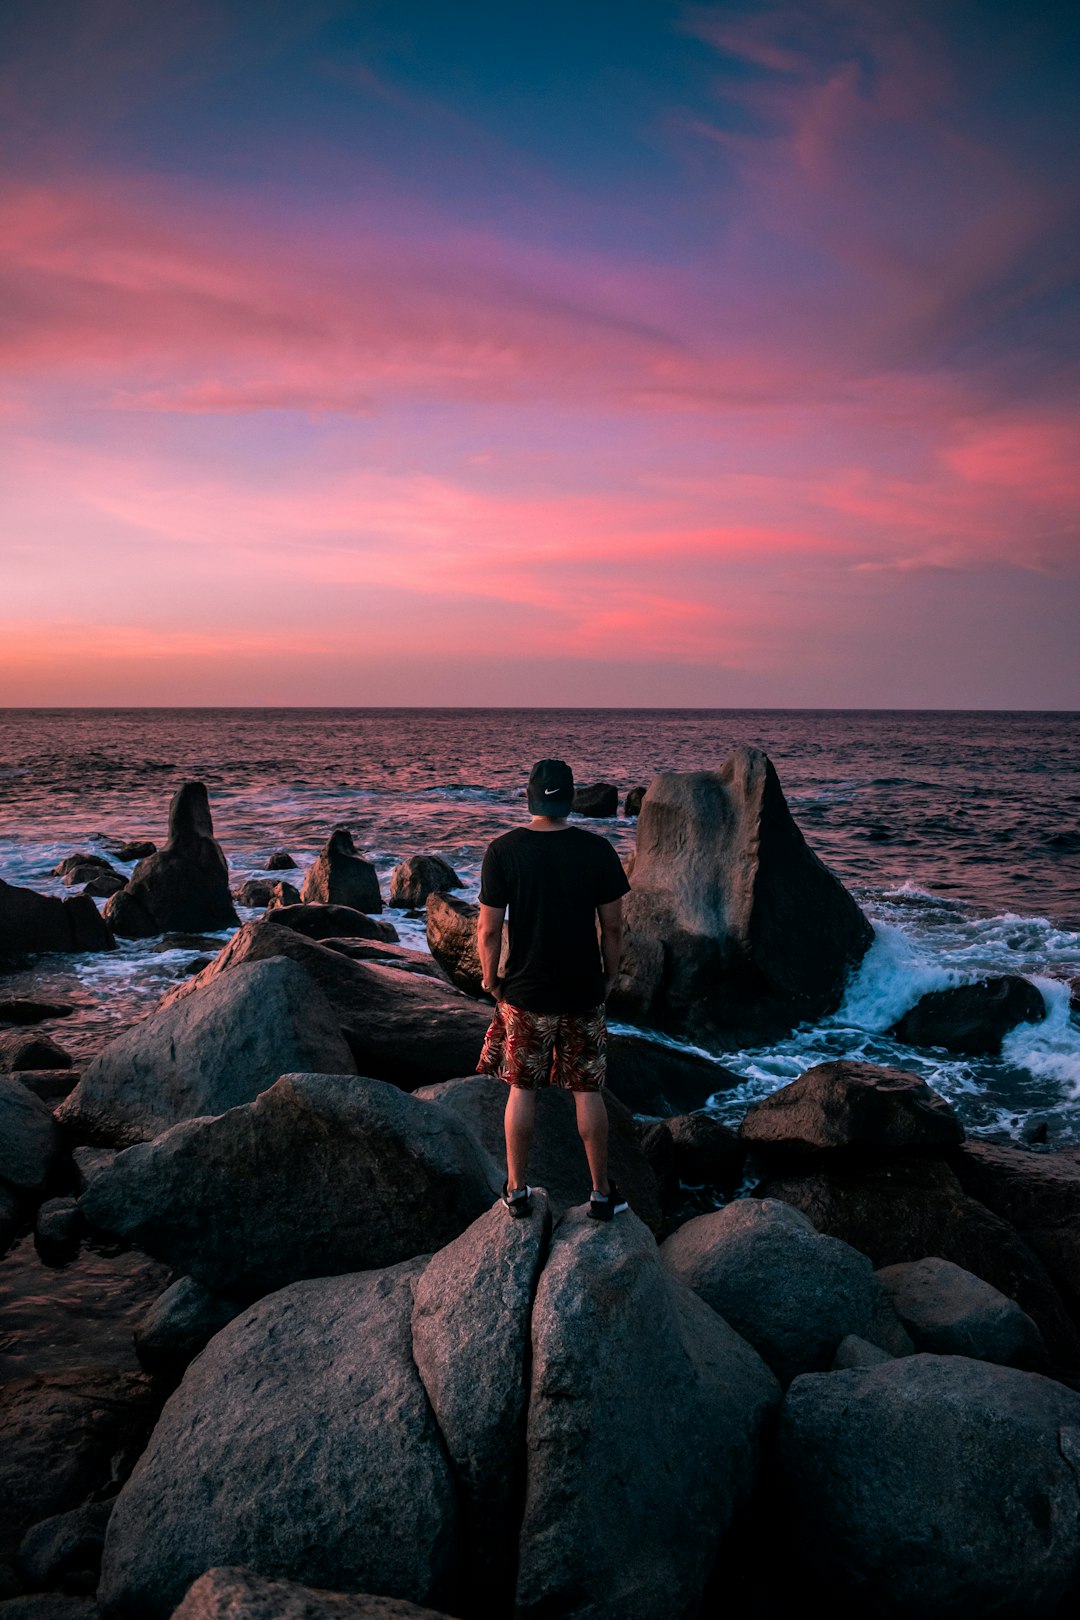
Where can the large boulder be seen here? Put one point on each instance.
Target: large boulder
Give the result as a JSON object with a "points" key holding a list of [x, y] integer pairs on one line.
{"points": [[208, 1052], [972, 1019], [239, 1594], [341, 877], [65, 1546], [451, 936], [651, 1077], [32, 922], [470, 1332], [735, 930], [322, 1173], [905, 1209], [414, 879], [854, 1105], [1039, 1194], [628, 1493], [301, 1444], [791, 1292], [557, 1158], [951, 1312], [399, 1025], [29, 1140], [316, 920], [596, 799], [933, 1486], [185, 884]]}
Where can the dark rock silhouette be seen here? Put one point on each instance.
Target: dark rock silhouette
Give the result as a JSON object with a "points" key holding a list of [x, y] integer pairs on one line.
{"points": [[451, 936], [972, 1019], [279, 860], [596, 799], [29, 1140], [179, 1324], [632, 802], [267, 892], [185, 884], [27, 1010], [32, 922], [136, 849], [19, 1050], [316, 920], [414, 879], [850, 1105], [341, 877]]}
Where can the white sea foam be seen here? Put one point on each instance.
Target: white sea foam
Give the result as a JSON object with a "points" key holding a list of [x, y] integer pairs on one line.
{"points": [[894, 973], [1050, 1050]]}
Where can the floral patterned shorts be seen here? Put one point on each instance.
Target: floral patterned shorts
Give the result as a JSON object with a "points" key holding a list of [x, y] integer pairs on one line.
{"points": [[531, 1050]]}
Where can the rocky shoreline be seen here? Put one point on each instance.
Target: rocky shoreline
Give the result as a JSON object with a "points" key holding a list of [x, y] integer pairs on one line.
{"points": [[360, 1390]]}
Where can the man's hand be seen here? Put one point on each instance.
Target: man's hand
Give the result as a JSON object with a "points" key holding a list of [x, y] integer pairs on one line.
{"points": [[494, 989]]}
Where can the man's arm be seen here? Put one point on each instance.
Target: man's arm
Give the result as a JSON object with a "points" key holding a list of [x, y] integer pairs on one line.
{"points": [[489, 930], [610, 941]]}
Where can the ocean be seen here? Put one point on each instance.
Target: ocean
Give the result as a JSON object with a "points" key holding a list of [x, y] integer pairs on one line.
{"points": [[958, 833]]}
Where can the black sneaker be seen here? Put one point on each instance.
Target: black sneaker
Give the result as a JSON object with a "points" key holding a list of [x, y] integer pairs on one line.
{"points": [[518, 1202], [602, 1209]]}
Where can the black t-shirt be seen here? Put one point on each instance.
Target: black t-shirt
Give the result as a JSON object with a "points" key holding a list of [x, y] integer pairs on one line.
{"points": [[552, 883]]}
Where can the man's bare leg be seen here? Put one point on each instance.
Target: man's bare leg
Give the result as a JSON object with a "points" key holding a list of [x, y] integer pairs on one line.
{"points": [[592, 1124], [518, 1124]]}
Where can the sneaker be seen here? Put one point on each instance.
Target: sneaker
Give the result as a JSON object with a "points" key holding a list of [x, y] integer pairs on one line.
{"points": [[518, 1202], [602, 1209]]}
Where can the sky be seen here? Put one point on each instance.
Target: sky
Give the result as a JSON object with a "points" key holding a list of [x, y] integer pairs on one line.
{"points": [[585, 354]]}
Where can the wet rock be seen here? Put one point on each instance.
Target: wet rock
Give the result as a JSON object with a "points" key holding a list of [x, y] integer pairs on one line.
{"points": [[414, 879], [933, 1485], [850, 1105], [104, 884], [632, 802], [627, 1498], [735, 931], [1036, 1132], [596, 799], [24, 1010], [179, 1324], [791, 1292], [470, 1331], [452, 941], [279, 860], [58, 1231], [906, 1209], [19, 1050], [31, 922], [264, 892], [856, 1352], [318, 921], [211, 1051], [341, 877], [67, 1544], [393, 956], [136, 849], [651, 1078], [320, 1374], [185, 884], [29, 1142], [557, 1158], [81, 867], [950, 1312], [238, 1594], [322, 1173], [186, 942], [1039, 1194], [972, 1019]]}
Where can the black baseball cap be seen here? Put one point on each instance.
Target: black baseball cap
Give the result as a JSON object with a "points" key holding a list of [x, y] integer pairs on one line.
{"points": [[551, 788]]}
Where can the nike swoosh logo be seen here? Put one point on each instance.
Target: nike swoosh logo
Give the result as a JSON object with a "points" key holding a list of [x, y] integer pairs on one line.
{"points": [[550, 791]]}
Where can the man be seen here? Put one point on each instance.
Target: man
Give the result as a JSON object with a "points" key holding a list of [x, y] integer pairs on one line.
{"points": [[549, 1026]]}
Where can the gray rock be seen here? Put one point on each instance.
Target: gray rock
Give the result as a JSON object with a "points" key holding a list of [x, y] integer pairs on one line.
{"points": [[279, 860], [209, 1052], [29, 1141], [414, 879], [705, 1151], [735, 931], [57, 1230], [1039, 1194], [265, 892], [557, 1159], [89, 1162], [450, 926], [972, 1019], [179, 1324], [341, 877], [322, 1173], [856, 1352], [51, 1085], [103, 884], [308, 1416], [933, 1486], [76, 868], [20, 1049], [316, 920], [238, 1594], [790, 1292], [950, 1312], [185, 884], [850, 1105], [31, 922], [63, 1545], [645, 1426], [470, 1331]]}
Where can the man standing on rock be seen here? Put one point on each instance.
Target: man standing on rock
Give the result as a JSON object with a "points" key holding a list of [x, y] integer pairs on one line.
{"points": [[549, 1026]]}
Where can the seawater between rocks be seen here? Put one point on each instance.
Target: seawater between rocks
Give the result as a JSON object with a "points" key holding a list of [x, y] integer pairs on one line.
{"points": [[958, 833]]}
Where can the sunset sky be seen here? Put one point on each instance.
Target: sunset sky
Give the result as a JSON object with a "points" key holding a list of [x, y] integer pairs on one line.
{"points": [[583, 353]]}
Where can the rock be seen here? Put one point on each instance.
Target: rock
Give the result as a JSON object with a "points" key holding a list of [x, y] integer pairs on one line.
{"points": [[179, 1324], [414, 879], [51, 1085], [856, 1352], [288, 1411], [238, 1594], [90, 1162], [264, 892], [48, 1606], [31, 922], [470, 1334], [632, 802], [652, 1078], [735, 931], [65, 1437], [706, 1153], [318, 921], [596, 799], [1039, 1194], [10, 1218], [186, 942], [66, 1544], [29, 1143], [906, 1209], [1036, 1131], [206, 1053], [850, 1105], [136, 849], [58, 1231], [627, 1497], [322, 1173], [394, 956], [184, 885], [399, 1026], [279, 860], [950, 1312], [25, 1051], [972, 1019], [451, 937], [557, 1159], [933, 1485], [79, 868], [341, 877], [104, 884], [23, 1010], [790, 1292]]}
